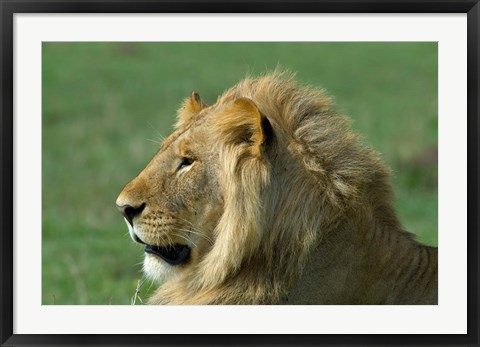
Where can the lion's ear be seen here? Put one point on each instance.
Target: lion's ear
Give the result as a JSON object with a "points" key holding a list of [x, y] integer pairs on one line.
{"points": [[191, 107], [243, 122], [194, 104]]}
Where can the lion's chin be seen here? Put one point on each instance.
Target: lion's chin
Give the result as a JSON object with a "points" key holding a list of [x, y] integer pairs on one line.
{"points": [[158, 270]]}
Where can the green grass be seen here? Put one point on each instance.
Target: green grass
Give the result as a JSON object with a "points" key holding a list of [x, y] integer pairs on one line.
{"points": [[102, 102]]}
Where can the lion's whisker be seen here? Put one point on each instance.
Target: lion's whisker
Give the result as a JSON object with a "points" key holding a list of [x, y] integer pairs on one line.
{"points": [[158, 132], [139, 263], [192, 229], [185, 238], [169, 239], [197, 233], [157, 142]]}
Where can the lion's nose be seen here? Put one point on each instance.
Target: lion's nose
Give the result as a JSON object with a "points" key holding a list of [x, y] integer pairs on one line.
{"points": [[130, 212]]}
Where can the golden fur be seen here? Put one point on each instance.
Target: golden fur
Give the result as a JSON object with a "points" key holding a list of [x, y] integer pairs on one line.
{"points": [[280, 204]]}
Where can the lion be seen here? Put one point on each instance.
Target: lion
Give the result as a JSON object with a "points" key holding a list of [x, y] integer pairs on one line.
{"points": [[268, 197]]}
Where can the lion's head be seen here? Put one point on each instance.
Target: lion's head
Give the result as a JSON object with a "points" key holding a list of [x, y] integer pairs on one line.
{"points": [[185, 205], [238, 197]]}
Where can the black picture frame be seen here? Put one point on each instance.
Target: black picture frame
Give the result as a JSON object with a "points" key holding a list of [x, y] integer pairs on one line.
{"points": [[10, 7]]}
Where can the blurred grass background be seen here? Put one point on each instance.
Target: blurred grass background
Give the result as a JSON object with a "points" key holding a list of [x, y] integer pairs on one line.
{"points": [[104, 102]]}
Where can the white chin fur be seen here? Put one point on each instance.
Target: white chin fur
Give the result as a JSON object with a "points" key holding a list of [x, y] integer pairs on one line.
{"points": [[156, 269]]}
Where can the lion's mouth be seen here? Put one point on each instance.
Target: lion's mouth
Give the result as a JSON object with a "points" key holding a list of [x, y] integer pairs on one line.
{"points": [[173, 254]]}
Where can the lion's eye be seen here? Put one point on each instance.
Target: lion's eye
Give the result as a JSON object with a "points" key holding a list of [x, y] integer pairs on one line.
{"points": [[185, 163]]}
